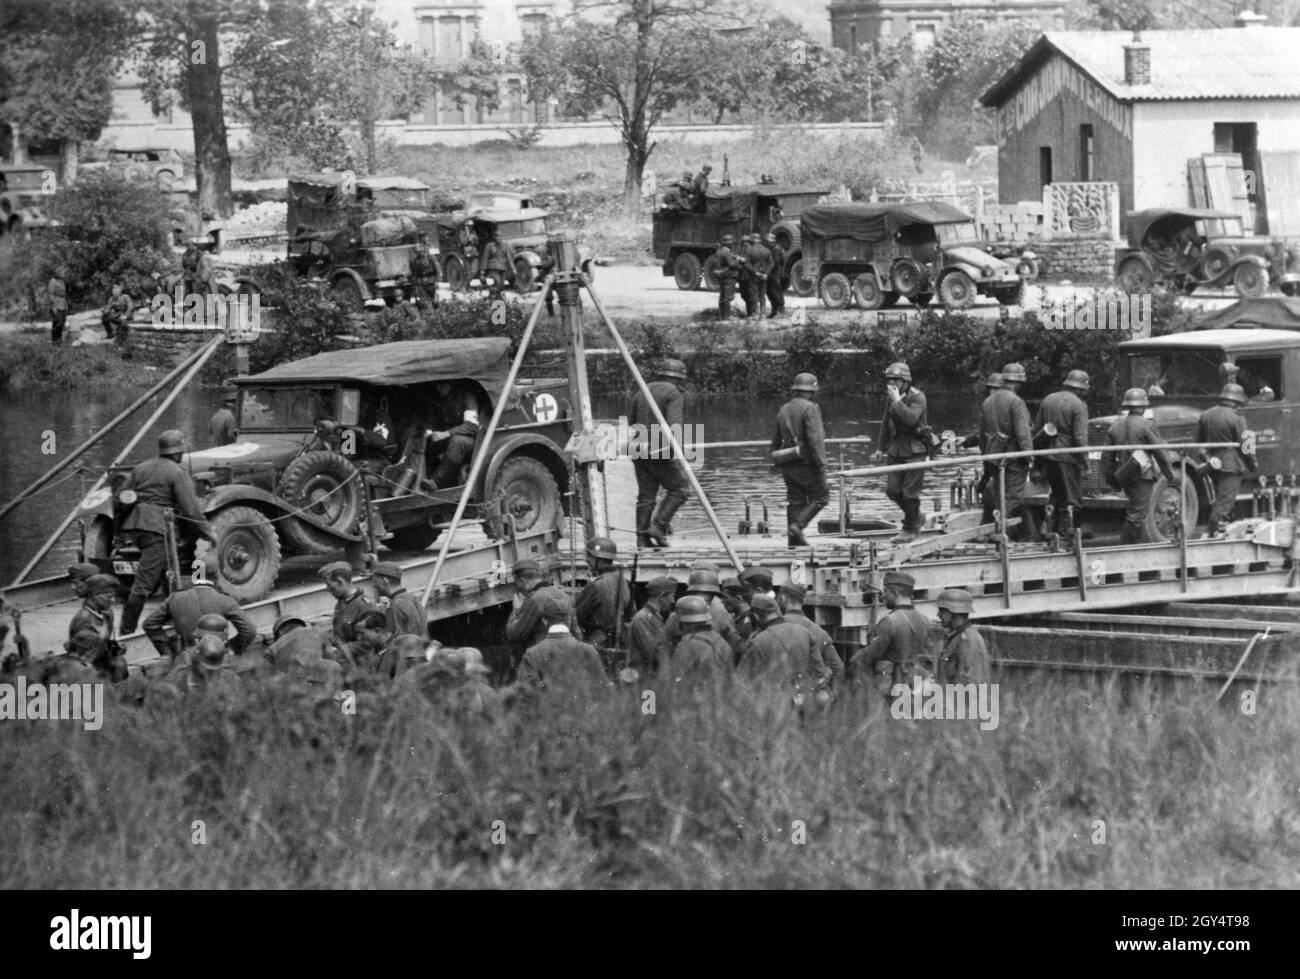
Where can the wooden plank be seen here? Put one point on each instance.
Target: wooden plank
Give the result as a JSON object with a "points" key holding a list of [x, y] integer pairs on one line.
{"points": [[923, 546], [1225, 186], [1196, 181], [1139, 623], [1279, 188], [1280, 616]]}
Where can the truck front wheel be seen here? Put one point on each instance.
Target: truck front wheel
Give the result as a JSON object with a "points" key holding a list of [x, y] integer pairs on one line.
{"points": [[248, 553], [1168, 501], [528, 494]]}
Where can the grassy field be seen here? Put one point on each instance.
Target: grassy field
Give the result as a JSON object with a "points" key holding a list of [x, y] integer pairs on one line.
{"points": [[733, 793]]}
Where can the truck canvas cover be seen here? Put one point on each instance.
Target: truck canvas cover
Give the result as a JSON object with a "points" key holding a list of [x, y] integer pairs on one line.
{"points": [[725, 204], [1267, 311], [485, 359], [875, 222]]}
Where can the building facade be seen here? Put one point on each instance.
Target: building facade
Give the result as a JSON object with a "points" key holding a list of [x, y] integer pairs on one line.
{"points": [[858, 22], [1111, 106]]}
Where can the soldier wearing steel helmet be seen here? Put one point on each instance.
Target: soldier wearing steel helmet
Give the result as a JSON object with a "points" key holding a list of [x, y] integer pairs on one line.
{"points": [[158, 485], [782, 653], [655, 465], [182, 610], [728, 273], [1225, 423], [605, 602], [700, 655], [704, 585], [963, 658], [1133, 474], [1066, 413], [799, 454], [1004, 427], [903, 438], [776, 280]]}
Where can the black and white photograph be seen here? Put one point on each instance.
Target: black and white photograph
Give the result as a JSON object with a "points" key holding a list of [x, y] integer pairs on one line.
{"points": [[650, 445]]}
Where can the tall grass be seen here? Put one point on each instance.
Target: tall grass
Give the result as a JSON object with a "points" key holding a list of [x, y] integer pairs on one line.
{"points": [[700, 793]]}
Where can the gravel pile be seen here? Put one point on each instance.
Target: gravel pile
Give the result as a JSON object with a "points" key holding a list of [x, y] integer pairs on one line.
{"points": [[257, 220]]}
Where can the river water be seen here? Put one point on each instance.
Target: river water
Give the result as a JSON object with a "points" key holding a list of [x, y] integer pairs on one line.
{"points": [[728, 475]]}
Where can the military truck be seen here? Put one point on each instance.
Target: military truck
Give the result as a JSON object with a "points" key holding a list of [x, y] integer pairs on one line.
{"points": [[285, 488], [463, 236], [365, 238], [22, 198], [873, 254], [685, 241], [1183, 374]]}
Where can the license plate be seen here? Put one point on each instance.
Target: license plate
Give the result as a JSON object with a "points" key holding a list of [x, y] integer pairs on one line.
{"points": [[124, 567], [385, 283], [1095, 456]]}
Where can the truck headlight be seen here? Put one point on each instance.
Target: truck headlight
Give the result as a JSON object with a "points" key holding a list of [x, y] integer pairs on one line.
{"points": [[987, 271]]}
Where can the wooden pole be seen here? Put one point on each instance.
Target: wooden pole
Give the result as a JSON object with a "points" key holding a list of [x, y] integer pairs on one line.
{"points": [[94, 439], [202, 358], [1028, 454], [480, 457]]}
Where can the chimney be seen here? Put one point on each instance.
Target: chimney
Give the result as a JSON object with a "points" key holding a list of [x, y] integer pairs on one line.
{"points": [[1248, 18], [1137, 61]]}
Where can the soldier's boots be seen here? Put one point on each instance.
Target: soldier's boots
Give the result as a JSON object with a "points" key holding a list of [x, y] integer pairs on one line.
{"points": [[797, 520], [911, 522], [643, 516], [661, 521]]}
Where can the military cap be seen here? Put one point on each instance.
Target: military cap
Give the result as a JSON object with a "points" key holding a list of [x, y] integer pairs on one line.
{"points": [[555, 605], [473, 660], [692, 608], [82, 571], [661, 586], [336, 567], [900, 578], [100, 582], [955, 600], [705, 581], [210, 652], [795, 591], [278, 629], [212, 624], [526, 566], [388, 569], [729, 584], [757, 576], [764, 607]]}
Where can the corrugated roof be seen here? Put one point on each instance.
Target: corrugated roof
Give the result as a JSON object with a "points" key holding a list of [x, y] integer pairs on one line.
{"points": [[1223, 63]]}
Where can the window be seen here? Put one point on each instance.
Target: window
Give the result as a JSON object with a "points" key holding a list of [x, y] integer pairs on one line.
{"points": [[1044, 165], [1234, 137], [1086, 148], [923, 36], [886, 29], [284, 409], [1177, 374], [1257, 373]]}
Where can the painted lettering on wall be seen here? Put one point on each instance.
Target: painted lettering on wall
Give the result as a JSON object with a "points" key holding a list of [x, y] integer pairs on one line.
{"points": [[1055, 77]]}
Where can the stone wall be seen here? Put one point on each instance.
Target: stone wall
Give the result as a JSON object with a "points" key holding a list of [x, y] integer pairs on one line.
{"points": [[1076, 259]]}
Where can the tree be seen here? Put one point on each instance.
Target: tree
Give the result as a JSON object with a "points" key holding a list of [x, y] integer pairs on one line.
{"points": [[636, 59], [57, 62]]}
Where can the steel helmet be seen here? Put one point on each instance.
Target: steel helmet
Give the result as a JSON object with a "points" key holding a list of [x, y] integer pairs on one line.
{"points": [[1135, 398], [212, 624], [1014, 372], [705, 581], [211, 651], [692, 609], [1078, 380], [900, 371], [994, 381], [282, 624], [1234, 393], [727, 240], [170, 442], [673, 368], [473, 660], [804, 382], [602, 547], [955, 600]]}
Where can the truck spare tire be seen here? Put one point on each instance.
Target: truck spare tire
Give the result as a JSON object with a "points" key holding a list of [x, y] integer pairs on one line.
{"points": [[325, 485]]}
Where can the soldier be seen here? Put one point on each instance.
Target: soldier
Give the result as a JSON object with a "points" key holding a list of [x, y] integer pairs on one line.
{"points": [[605, 603], [684, 189], [205, 272], [292, 639], [647, 643], [1004, 427], [663, 471], [78, 575], [208, 624], [350, 602], [757, 266], [560, 662], [700, 187], [776, 282], [728, 271], [115, 316], [700, 655], [57, 291], [1134, 472], [753, 582], [183, 609], [799, 454], [903, 438], [498, 265], [784, 654], [209, 671], [159, 485], [1066, 411], [524, 627], [222, 427], [790, 598], [474, 696], [455, 422], [99, 593], [406, 615], [374, 651], [733, 598], [1224, 423], [82, 652], [673, 198], [900, 647], [964, 658], [703, 584], [403, 307]]}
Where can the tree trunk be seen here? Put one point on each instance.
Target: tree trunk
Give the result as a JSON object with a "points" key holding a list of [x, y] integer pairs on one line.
{"points": [[71, 151], [208, 111]]}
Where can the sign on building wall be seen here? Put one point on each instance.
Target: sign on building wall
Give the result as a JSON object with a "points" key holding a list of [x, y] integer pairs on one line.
{"points": [[1041, 88]]}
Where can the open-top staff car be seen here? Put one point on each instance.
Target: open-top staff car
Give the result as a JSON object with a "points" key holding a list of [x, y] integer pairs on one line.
{"points": [[288, 487], [872, 254], [685, 240], [1186, 248]]}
